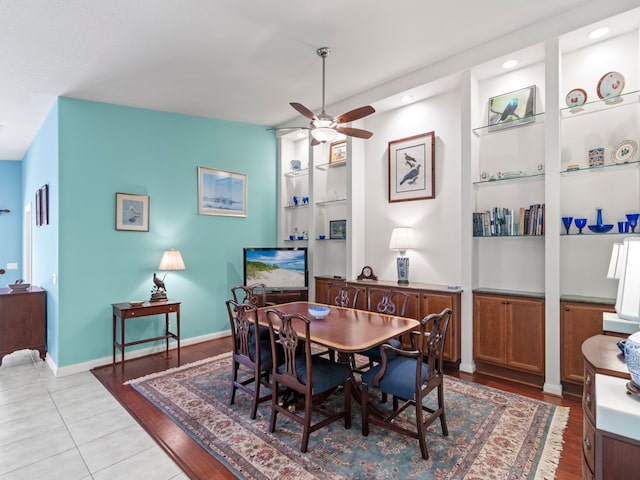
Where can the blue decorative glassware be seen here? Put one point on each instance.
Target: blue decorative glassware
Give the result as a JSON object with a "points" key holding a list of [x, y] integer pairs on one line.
{"points": [[633, 221], [580, 223], [567, 223]]}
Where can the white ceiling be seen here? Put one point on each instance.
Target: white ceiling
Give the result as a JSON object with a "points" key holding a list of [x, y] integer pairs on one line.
{"points": [[245, 60]]}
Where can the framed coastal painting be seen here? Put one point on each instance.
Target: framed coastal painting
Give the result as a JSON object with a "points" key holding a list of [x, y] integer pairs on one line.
{"points": [[132, 212], [337, 229], [338, 151], [221, 192], [512, 109], [412, 168]]}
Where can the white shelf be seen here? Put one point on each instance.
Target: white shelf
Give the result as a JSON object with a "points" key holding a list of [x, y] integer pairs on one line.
{"points": [[303, 205], [297, 173], [538, 118], [520, 178], [607, 167], [599, 105], [325, 166], [331, 202]]}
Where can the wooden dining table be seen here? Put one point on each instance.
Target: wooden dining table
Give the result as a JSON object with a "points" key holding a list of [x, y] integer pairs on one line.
{"points": [[346, 330]]}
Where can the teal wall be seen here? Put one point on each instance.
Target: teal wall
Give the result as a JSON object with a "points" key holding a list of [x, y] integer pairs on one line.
{"points": [[10, 223], [40, 167], [104, 149]]}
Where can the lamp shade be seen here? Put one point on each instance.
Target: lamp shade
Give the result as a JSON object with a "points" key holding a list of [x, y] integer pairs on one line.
{"points": [[628, 299], [401, 239], [323, 133], [171, 260], [615, 264]]}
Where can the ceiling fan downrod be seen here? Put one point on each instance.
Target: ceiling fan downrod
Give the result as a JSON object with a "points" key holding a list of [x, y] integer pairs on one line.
{"points": [[323, 52]]}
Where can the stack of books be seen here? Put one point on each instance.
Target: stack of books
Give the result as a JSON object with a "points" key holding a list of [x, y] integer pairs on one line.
{"points": [[503, 222]]}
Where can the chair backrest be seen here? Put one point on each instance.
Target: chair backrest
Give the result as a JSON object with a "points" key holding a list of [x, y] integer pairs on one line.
{"points": [[254, 294], [243, 319], [282, 331], [433, 331], [390, 302], [342, 295]]}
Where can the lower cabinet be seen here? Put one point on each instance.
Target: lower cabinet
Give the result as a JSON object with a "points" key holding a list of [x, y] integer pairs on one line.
{"points": [[508, 336], [23, 321], [423, 300]]}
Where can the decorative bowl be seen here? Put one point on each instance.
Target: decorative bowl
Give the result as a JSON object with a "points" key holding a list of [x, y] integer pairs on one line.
{"points": [[19, 287], [632, 356], [318, 312], [136, 303], [601, 228], [322, 237]]}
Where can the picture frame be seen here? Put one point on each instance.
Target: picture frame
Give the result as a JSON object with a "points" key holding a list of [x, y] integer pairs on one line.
{"points": [[221, 192], [412, 168], [337, 229], [38, 205], [338, 151], [132, 212], [44, 204], [512, 109]]}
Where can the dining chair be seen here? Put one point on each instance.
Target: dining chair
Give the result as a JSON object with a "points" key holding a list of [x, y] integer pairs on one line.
{"points": [[342, 295], [255, 294], [388, 302], [251, 352], [309, 376], [410, 375]]}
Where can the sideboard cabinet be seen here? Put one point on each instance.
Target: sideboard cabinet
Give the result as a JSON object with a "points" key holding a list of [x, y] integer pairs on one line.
{"points": [[23, 321], [508, 336], [423, 300]]}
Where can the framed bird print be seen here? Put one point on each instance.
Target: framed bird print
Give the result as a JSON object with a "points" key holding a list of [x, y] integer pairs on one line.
{"points": [[221, 192], [412, 168], [132, 212], [512, 109]]}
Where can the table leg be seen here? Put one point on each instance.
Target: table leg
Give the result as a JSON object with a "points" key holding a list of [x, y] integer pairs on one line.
{"points": [[166, 332], [178, 333], [114, 339], [122, 320]]}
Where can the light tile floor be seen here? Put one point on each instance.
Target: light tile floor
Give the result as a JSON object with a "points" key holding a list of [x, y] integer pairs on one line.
{"points": [[70, 428]]}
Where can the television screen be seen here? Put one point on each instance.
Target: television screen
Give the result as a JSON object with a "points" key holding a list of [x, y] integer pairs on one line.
{"points": [[277, 268]]}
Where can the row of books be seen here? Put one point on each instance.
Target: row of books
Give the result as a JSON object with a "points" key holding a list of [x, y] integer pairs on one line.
{"points": [[504, 222]]}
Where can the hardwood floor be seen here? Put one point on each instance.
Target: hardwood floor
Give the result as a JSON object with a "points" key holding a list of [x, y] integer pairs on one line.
{"points": [[198, 464]]}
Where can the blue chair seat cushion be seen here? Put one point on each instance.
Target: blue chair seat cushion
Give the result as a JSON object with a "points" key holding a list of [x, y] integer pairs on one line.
{"points": [[399, 379], [375, 354], [266, 358], [326, 374]]}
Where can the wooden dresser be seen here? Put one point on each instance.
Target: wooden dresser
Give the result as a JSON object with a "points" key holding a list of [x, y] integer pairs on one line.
{"points": [[423, 299], [611, 418], [23, 321]]}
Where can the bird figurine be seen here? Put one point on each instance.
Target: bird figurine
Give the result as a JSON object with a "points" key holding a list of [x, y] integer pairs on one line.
{"points": [[411, 161], [159, 292], [509, 110], [158, 283], [412, 176]]}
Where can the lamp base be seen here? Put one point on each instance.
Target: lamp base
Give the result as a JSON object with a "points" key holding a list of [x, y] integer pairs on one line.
{"points": [[403, 270], [158, 297]]}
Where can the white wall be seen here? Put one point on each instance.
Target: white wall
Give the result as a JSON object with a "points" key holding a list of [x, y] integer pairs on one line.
{"points": [[436, 222]]}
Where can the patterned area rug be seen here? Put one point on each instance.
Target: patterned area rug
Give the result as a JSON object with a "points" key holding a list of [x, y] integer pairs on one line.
{"points": [[492, 434]]}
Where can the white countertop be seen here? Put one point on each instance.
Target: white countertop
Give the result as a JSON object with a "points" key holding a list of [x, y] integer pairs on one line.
{"points": [[616, 411], [612, 323]]}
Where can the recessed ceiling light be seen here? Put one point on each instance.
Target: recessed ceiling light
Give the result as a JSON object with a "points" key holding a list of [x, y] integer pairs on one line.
{"points": [[406, 98], [301, 134], [510, 64], [598, 32]]}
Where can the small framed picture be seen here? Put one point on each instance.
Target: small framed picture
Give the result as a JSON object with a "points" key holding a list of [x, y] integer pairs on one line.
{"points": [[337, 229], [132, 212], [512, 109], [412, 168], [38, 204], [221, 192], [338, 151], [44, 205]]}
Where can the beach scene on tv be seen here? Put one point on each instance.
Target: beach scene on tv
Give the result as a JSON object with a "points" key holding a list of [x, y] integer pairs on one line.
{"points": [[276, 268]]}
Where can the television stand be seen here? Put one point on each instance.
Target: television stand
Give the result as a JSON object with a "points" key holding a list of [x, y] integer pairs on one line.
{"points": [[286, 296]]}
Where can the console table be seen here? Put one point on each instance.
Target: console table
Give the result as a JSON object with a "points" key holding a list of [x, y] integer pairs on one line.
{"points": [[23, 321], [126, 311]]}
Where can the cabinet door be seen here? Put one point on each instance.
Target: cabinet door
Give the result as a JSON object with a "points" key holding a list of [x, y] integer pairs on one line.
{"points": [[435, 303], [489, 329], [578, 321], [525, 334], [322, 289]]}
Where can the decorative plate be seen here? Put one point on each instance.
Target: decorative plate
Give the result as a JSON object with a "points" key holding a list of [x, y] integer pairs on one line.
{"points": [[136, 303], [610, 85], [624, 151], [576, 98]]}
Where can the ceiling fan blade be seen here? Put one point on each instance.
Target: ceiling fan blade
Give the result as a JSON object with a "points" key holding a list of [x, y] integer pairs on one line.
{"points": [[288, 128], [355, 132], [354, 115], [302, 110], [314, 142]]}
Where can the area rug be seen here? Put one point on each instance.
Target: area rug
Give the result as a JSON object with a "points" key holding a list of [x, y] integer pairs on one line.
{"points": [[492, 434]]}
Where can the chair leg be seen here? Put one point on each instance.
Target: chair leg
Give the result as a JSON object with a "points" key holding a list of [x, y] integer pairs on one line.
{"points": [[347, 404], [306, 430], [443, 417], [364, 404], [420, 429], [274, 412], [256, 396], [234, 379]]}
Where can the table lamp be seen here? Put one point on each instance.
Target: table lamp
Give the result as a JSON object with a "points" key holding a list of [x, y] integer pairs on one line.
{"points": [[171, 260], [615, 263], [401, 240], [628, 298]]}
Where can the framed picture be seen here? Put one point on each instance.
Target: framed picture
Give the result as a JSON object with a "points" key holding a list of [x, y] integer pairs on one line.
{"points": [[132, 212], [512, 109], [338, 151], [38, 202], [412, 168], [337, 229], [221, 192], [44, 205]]}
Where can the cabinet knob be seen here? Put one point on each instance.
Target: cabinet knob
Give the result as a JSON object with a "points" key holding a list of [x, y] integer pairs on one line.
{"points": [[587, 399], [587, 380], [566, 309], [133, 314], [587, 443]]}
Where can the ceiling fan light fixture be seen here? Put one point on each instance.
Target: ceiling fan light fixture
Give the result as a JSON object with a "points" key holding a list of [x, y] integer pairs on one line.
{"points": [[324, 134]]}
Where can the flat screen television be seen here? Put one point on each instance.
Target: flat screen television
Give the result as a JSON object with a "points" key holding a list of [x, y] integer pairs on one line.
{"points": [[279, 268]]}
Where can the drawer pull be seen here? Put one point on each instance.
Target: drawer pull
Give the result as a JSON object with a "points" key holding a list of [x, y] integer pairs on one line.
{"points": [[587, 443], [587, 380], [133, 314], [587, 400]]}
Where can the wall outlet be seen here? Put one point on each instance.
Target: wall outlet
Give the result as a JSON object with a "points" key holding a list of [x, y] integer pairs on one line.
{"points": [[54, 279], [12, 266]]}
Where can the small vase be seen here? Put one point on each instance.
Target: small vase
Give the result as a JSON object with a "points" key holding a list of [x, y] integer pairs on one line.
{"points": [[599, 217]]}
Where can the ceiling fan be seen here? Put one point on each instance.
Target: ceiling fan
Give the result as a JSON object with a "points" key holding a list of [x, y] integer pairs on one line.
{"points": [[324, 127]]}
